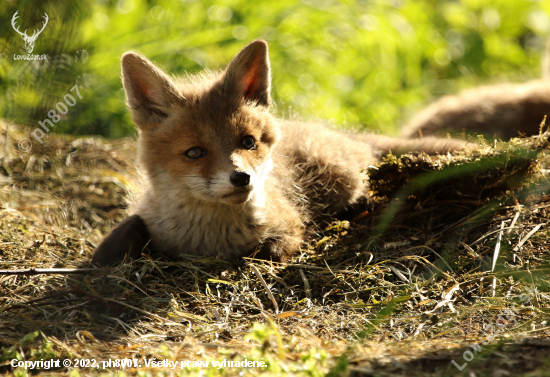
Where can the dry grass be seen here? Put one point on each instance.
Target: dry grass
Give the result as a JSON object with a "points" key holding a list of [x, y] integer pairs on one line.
{"points": [[451, 243]]}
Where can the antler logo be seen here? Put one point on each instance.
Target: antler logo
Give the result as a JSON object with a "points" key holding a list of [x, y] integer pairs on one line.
{"points": [[29, 41]]}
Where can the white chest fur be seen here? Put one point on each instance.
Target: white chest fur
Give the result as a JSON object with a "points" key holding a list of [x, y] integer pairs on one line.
{"points": [[185, 226]]}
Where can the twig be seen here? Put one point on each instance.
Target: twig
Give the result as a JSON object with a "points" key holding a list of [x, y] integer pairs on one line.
{"points": [[495, 256], [399, 274], [49, 271], [155, 266], [491, 233], [516, 216], [336, 277], [467, 247], [513, 222], [432, 251], [306, 284], [524, 239], [267, 290], [428, 262], [311, 267], [497, 246], [274, 277], [535, 296]]}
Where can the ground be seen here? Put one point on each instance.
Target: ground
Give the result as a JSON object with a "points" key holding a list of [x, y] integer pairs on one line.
{"points": [[447, 274]]}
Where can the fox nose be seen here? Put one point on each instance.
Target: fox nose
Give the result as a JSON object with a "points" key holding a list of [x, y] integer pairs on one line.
{"points": [[239, 179]]}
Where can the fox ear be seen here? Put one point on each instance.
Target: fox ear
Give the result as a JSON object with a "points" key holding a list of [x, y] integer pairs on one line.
{"points": [[149, 91], [248, 76]]}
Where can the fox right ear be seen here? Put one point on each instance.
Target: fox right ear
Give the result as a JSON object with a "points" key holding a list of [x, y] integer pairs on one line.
{"points": [[149, 91]]}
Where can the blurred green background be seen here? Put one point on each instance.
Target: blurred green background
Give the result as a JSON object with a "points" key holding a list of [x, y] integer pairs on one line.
{"points": [[367, 63]]}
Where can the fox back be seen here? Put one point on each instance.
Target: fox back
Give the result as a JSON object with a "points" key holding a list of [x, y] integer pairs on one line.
{"points": [[504, 110]]}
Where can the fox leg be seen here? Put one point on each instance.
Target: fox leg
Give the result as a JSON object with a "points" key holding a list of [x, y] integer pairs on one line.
{"points": [[284, 236], [279, 249], [129, 237]]}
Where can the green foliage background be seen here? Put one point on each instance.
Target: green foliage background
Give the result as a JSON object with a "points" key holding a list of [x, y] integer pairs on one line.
{"points": [[367, 63]]}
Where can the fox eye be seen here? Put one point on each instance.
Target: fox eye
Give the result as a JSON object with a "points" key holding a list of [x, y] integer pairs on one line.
{"points": [[195, 153], [248, 142]]}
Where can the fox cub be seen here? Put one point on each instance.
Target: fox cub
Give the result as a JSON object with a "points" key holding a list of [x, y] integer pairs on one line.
{"points": [[502, 110], [225, 178]]}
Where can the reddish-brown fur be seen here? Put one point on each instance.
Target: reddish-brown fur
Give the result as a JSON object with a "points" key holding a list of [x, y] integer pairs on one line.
{"points": [[503, 111], [298, 172]]}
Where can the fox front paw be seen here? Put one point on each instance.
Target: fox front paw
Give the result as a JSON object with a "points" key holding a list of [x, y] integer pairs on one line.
{"points": [[278, 249], [129, 237]]}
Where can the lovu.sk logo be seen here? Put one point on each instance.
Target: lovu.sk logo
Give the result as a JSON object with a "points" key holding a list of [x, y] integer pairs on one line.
{"points": [[29, 41]]}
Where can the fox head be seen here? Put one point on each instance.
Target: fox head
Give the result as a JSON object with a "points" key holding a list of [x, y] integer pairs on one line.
{"points": [[206, 137]]}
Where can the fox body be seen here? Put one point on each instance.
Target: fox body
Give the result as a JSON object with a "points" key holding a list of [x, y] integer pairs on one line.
{"points": [[499, 110], [225, 177]]}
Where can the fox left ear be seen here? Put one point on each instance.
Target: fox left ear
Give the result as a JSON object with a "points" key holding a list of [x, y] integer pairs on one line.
{"points": [[248, 76]]}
